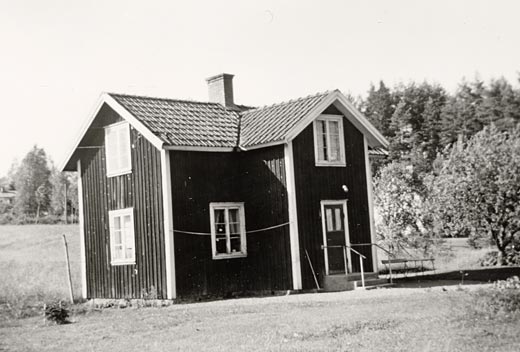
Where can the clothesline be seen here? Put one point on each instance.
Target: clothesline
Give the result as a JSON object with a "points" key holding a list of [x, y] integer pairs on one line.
{"points": [[252, 231]]}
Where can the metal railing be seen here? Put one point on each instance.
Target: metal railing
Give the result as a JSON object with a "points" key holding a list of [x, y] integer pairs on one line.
{"points": [[345, 262]]}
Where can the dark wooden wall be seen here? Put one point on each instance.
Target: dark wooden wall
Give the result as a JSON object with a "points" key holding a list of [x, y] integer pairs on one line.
{"points": [[256, 178], [142, 190], [314, 184]]}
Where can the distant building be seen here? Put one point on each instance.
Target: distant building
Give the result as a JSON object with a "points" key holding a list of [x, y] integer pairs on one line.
{"points": [[7, 197]]}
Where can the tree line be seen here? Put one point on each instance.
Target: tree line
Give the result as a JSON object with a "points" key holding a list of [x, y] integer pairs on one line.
{"points": [[453, 167], [43, 194]]}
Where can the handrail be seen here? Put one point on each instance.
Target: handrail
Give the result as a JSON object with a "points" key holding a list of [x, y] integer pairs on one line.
{"points": [[361, 257], [390, 254]]}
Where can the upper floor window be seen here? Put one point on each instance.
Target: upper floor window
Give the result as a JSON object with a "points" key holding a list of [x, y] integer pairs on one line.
{"points": [[122, 240], [329, 144], [117, 147], [228, 230]]}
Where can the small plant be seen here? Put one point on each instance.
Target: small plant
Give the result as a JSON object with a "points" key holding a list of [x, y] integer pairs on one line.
{"points": [[56, 312], [502, 298]]}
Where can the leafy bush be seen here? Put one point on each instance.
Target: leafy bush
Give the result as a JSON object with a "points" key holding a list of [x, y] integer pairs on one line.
{"points": [[503, 298], [512, 257], [56, 312]]}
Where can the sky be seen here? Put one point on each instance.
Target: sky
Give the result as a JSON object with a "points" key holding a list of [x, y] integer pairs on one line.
{"points": [[58, 56]]}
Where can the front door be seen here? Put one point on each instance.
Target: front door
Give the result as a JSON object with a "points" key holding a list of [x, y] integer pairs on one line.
{"points": [[335, 236]]}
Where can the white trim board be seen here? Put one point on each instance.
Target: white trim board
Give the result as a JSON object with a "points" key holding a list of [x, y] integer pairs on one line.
{"points": [[293, 218], [370, 196], [169, 245], [342, 202], [83, 261]]}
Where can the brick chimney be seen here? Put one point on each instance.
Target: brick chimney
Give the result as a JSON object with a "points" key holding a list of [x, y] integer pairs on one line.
{"points": [[220, 89]]}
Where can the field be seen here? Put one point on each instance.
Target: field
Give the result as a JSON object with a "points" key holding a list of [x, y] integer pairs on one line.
{"points": [[441, 316]]}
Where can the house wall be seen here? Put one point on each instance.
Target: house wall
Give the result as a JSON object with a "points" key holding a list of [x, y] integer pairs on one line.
{"points": [[256, 178], [141, 190], [314, 184]]}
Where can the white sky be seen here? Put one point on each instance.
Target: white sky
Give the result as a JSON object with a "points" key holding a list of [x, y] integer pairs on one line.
{"points": [[57, 56]]}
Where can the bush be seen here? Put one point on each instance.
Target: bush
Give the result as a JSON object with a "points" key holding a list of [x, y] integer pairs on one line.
{"points": [[503, 298], [491, 259], [56, 312]]}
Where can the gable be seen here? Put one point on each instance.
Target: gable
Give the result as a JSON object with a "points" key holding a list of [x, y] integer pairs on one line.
{"points": [[201, 126]]}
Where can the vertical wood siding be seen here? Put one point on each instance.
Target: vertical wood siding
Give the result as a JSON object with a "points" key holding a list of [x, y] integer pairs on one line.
{"points": [[314, 184], [141, 190], [256, 178]]}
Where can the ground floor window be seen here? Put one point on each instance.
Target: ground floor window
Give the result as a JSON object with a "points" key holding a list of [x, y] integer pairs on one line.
{"points": [[228, 230], [122, 239]]}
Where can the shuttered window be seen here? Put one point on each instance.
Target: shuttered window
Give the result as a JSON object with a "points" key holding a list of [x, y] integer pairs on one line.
{"points": [[329, 145], [122, 239], [117, 147], [228, 230]]}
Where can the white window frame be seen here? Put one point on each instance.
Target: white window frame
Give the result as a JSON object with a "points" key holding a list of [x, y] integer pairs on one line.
{"points": [[115, 214], [326, 118], [115, 128], [241, 214]]}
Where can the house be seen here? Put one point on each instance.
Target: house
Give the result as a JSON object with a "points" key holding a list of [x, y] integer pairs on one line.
{"points": [[181, 198], [7, 197]]}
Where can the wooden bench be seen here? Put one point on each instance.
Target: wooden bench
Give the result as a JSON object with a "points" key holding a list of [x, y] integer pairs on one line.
{"points": [[406, 261]]}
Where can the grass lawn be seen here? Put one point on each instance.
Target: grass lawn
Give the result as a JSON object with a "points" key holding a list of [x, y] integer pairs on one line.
{"points": [[433, 319], [32, 265], [431, 316]]}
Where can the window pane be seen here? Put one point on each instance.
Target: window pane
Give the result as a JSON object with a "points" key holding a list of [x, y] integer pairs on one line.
{"points": [[333, 127], [118, 252], [117, 223], [118, 239], [337, 216], [235, 244], [221, 246], [321, 137], [334, 151], [233, 215], [330, 222]]}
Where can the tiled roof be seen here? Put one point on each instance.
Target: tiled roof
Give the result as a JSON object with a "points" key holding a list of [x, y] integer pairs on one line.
{"points": [[201, 124], [272, 123], [184, 123]]}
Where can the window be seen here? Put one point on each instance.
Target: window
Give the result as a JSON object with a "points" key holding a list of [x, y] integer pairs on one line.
{"points": [[329, 146], [228, 230], [117, 147], [122, 241]]}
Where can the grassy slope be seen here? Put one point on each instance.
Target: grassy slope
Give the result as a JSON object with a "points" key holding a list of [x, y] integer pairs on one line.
{"points": [[32, 264], [378, 320]]}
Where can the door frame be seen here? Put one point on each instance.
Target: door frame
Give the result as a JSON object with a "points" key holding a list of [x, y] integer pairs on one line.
{"points": [[342, 202]]}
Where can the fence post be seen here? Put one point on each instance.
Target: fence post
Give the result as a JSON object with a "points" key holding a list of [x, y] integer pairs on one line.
{"points": [[71, 293]]}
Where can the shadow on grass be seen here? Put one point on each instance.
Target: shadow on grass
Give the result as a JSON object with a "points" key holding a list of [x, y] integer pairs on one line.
{"points": [[456, 277]]}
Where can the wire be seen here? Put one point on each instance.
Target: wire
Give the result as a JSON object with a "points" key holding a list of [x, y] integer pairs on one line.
{"points": [[252, 231]]}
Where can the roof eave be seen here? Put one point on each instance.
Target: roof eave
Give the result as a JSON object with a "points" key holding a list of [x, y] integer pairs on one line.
{"points": [[374, 137], [105, 98]]}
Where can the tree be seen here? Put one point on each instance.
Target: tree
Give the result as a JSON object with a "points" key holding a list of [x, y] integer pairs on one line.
{"points": [[32, 184], [476, 190], [379, 107], [64, 193], [399, 199]]}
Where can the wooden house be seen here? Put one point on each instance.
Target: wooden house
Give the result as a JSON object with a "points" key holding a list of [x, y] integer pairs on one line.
{"points": [[181, 198]]}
